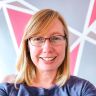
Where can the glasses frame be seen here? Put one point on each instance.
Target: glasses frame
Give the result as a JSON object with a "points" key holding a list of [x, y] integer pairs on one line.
{"points": [[44, 39]]}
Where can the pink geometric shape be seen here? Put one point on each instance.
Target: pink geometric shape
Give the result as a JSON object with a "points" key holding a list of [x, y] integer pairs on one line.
{"points": [[18, 20], [73, 59], [93, 15]]}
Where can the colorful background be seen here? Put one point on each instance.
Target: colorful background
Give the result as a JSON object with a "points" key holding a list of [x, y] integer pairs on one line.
{"points": [[80, 16]]}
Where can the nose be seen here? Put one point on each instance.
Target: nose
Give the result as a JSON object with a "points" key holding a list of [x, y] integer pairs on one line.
{"points": [[47, 46]]}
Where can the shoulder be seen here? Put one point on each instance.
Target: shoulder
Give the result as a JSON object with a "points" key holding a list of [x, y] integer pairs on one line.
{"points": [[76, 80], [79, 81], [7, 85], [5, 88], [9, 89], [81, 86]]}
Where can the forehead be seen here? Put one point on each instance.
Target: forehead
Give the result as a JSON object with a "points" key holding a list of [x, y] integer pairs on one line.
{"points": [[56, 27]]}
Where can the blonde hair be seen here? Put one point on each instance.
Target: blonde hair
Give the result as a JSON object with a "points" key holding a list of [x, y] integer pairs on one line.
{"points": [[37, 25]]}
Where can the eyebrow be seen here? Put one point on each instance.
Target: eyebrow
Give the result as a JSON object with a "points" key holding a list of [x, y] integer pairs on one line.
{"points": [[57, 33]]}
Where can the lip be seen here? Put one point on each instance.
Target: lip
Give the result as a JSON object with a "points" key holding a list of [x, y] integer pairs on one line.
{"points": [[48, 60]]}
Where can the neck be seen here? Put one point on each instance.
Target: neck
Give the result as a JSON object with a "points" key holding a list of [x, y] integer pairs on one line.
{"points": [[44, 79]]}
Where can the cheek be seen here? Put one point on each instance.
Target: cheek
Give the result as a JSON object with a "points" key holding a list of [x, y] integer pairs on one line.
{"points": [[34, 53], [61, 52]]}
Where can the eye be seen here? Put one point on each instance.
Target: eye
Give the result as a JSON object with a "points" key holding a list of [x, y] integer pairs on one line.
{"points": [[37, 39], [56, 38]]}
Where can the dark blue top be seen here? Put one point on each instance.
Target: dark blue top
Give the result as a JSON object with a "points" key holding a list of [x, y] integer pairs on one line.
{"points": [[74, 87]]}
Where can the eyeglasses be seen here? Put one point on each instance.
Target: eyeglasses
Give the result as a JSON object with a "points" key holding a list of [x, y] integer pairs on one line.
{"points": [[54, 40]]}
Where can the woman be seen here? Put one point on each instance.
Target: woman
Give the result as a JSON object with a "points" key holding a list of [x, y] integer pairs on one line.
{"points": [[43, 65]]}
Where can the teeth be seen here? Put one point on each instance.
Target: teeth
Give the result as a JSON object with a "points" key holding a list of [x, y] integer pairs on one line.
{"points": [[48, 58]]}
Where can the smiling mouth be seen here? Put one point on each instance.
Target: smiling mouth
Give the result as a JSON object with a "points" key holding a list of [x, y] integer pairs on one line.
{"points": [[48, 58]]}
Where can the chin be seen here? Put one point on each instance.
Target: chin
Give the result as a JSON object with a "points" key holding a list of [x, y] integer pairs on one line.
{"points": [[49, 69]]}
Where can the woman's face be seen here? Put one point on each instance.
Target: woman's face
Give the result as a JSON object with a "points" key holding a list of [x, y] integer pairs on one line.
{"points": [[49, 57]]}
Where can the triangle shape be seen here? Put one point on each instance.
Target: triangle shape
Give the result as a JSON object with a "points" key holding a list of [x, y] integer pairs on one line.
{"points": [[93, 15], [73, 58], [17, 4], [72, 38], [18, 21]]}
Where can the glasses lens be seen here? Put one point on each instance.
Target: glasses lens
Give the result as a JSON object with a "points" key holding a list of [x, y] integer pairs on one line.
{"points": [[37, 41], [57, 39]]}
